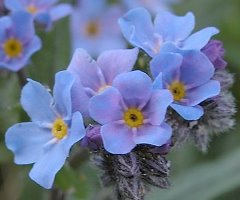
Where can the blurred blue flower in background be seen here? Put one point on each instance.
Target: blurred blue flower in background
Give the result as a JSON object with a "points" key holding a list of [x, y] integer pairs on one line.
{"points": [[131, 113], [44, 11], [46, 140], [94, 27], [93, 77], [18, 40], [138, 28], [187, 75]]}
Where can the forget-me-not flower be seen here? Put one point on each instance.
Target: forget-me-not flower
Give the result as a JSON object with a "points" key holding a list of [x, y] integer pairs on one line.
{"points": [[46, 141], [131, 112], [138, 28], [93, 77], [44, 11], [17, 40], [187, 74], [94, 27]]}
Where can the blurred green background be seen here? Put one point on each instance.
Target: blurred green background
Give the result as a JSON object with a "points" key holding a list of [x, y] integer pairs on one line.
{"points": [[194, 176]]}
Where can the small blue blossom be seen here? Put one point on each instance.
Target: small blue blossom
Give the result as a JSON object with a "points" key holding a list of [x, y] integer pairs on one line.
{"points": [[131, 112], [187, 74], [46, 141], [93, 77], [138, 28], [17, 40], [44, 11], [94, 27]]}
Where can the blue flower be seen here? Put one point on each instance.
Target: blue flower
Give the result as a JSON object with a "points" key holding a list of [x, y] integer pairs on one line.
{"points": [[17, 40], [138, 28], [94, 27], [93, 77], [46, 140], [43, 11], [131, 113], [187, 74]]}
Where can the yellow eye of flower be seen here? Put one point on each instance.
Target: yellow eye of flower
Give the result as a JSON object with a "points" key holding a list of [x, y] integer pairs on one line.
{"points": [[32, 9], [92, 29], [178, 90], [133, 117], [59, 129], [13, 48]]}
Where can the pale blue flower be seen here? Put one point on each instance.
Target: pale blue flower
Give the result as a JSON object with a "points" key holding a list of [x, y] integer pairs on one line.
{"points": [[46, 141]]}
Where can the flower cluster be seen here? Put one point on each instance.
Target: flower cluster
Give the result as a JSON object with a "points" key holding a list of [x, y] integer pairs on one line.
{"points": [[133, 118]]}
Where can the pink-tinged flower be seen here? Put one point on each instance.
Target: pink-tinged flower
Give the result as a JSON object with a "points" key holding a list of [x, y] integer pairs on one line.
{"points": [[93, 77], [44, 11], [17, 40], [94, 27], [214, 51], [187, 74], [131, 113]]}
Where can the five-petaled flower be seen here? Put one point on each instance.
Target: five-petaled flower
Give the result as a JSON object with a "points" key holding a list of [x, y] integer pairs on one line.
{"points": [[138, 28], [17, 40], [46, 141], [187, 75], [131, 113]]}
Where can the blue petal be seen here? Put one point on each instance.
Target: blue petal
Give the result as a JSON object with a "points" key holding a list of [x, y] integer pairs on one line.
{"points": [[45, 169], [44, 19], [26, 141], [62, 93], [60, 11], [106, 107], [137, 28], [5, 23], [158, 82], [174, 28], [37, 102], [135, 87], [13, 5], [188, 112], [197, 95], [117, 138], [114, 62], [199, 39], [154, 135], [167, 63], [156, 108]]}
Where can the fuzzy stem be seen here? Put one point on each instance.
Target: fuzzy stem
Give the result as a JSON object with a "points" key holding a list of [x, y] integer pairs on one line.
{"points": [[21, 77], [57, 194]]}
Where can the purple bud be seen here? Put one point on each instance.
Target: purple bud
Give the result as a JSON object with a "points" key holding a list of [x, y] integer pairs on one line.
{"points": [[164, 149], [93, 139], [214, 51]]}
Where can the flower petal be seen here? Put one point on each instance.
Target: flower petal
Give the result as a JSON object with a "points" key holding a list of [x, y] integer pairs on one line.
{"points": [[158, 82], [174, 28], [37, 102], [137, 28], [199, 39], [106, 107], [13, 5], [135, 87], [26, 141], [62, 93], [117, 138], [86, 69], [45, 169], [154, 135], [114, 62], [60, 11], [197, 95], [156, 108], [188, 112]]}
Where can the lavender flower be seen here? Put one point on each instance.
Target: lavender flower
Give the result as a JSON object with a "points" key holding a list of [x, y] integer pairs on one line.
{"points": [[138, 28], [43, 11], [93, 77], [131, 113], [46, 140], [18, 40]]}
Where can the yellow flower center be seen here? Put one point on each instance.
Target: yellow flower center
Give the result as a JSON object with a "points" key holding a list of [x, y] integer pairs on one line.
{"points": [[13, 48], [133, 117], [102, 88], [59, 129], [32, 9], [92, 29], [178, 90]]}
